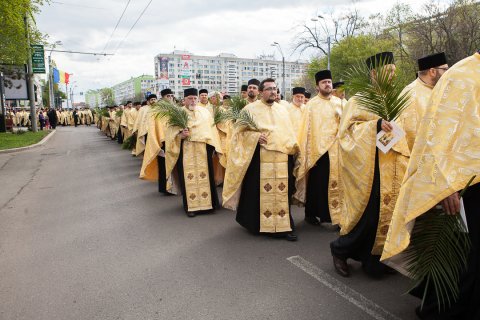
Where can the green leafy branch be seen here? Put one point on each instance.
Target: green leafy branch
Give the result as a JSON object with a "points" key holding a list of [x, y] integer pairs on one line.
{"points": [[236, 114], [437, 254], [380, 94], [176, 116]]}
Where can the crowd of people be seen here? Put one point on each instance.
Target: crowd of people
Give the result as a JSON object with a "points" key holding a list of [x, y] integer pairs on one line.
{"points": [[321, 153], [50, 118]]}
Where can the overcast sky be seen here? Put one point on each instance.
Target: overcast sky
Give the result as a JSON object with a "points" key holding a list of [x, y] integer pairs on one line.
{"points": [[244, 28]]}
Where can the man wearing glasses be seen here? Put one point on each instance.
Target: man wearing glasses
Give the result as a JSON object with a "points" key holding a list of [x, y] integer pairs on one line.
{"points": [[258, 179], [431, 68]]}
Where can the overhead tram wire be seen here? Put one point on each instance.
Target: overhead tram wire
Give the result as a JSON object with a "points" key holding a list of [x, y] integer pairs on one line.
{"points": [[133, 26], [116, 26]]}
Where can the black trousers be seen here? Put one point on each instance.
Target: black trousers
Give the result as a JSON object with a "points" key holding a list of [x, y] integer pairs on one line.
{"points": [[162, 179], [317, 190]]}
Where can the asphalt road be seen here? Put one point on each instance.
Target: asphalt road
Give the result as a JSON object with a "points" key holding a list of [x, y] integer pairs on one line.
{"points": [[81, 237]]}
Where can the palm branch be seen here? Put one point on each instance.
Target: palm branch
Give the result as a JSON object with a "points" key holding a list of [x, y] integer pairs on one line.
{"points": [[219, 115], [176, 116], [119, 113], [130, 142], [237, 103], [437, 254], [381, 96], [105, 113], [245, 119]]}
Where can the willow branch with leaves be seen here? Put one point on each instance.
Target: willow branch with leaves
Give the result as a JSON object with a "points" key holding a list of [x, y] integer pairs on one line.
{"points": [[176, 116], [380, 94], [437, 254]]}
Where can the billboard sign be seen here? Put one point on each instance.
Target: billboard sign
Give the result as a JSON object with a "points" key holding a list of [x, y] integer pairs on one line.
{"points": [[163, 77], [186, 69], [15, 82]]}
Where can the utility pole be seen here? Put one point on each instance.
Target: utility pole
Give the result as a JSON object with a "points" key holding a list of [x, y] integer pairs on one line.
{"points": [[66, 91], [31, 93], [3, 113], [276, 44]]}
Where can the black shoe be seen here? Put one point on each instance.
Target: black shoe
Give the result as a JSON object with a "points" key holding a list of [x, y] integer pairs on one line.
{"points": [[312, 220], [191, 214], [341, 266], [291, 237]]}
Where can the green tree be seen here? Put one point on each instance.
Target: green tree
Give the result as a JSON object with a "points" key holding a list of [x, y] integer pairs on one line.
{"points": [[13, 40], [106, 95], [347, 52], [46, 94]]}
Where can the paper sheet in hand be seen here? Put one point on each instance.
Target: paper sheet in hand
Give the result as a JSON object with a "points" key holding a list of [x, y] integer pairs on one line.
{"points": [[386, 140]]}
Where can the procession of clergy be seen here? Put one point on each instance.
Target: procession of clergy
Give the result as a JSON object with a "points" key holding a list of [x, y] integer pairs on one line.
{"points": [[321, 153], [53, 117]]}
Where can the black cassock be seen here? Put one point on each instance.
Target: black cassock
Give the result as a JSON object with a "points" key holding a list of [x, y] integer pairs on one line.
{"points": [[119, 135], [316, 204], [162, 179], [213, 188], [248, 210], [358, 244]]}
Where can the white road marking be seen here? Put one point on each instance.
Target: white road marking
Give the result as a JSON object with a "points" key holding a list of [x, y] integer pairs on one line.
{"points": [[343, 290]]}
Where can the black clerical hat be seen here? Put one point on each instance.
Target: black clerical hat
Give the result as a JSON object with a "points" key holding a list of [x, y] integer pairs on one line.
{"points": [[338, 84], [254, 82], [244, 87], [164, 92], [298, 90], [190, 92], [322, 75], [432, 61], [150, 96], [382, 58]]}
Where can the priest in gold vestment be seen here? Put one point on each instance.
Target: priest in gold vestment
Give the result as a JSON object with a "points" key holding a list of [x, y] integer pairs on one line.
{"points": [[188, 158], [446, 155], [317, 168], [153, 165], [258, 181], [141, 124], [296, 108], [431, 68], [203, 100], [371, 180]]}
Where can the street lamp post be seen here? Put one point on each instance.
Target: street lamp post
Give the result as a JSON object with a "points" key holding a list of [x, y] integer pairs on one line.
{"points": [[276, 44], [50, 75], [328, 42]]}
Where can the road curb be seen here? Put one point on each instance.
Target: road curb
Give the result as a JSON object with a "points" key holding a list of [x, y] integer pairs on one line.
{"points": [[38, 144]]}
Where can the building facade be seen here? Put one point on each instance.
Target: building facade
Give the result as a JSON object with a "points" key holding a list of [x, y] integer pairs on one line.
{"points": [[93, 99], [134, 89], [225, 73]]}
